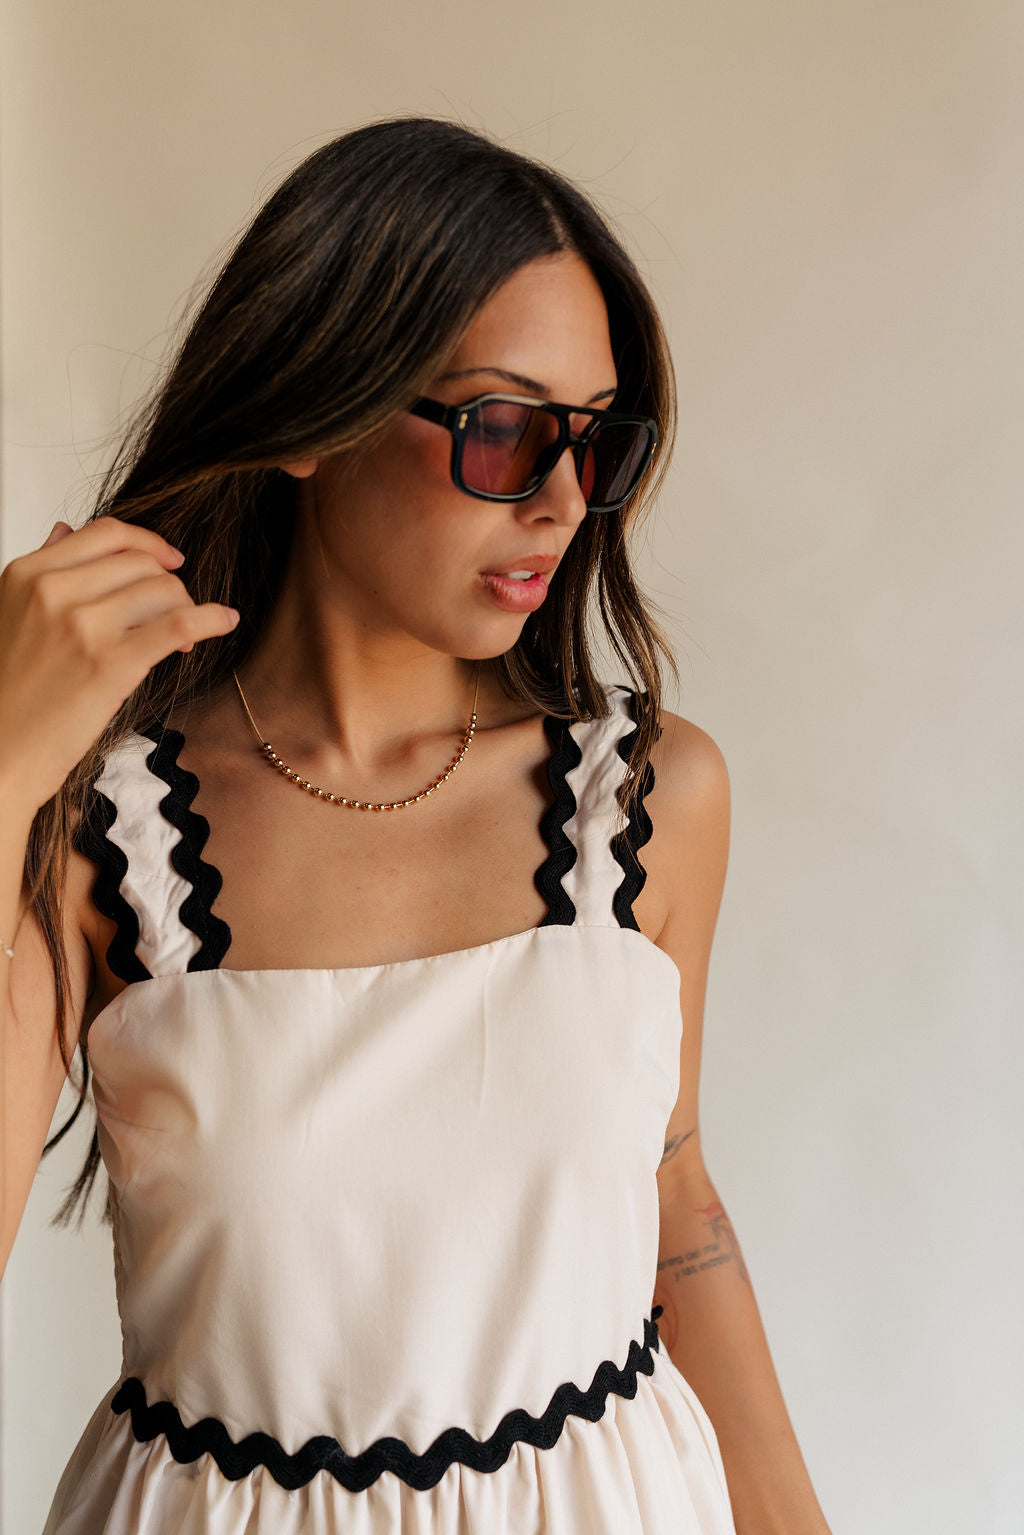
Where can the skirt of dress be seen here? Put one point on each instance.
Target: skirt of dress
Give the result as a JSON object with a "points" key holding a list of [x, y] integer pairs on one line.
{"points": [[650, 1465]]}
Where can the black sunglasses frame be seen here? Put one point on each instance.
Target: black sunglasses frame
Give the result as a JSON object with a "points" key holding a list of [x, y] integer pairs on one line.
{"points": [[455, 419]]}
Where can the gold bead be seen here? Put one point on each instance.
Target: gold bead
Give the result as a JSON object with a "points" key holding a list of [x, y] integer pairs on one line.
{"points": [[355, 804]]}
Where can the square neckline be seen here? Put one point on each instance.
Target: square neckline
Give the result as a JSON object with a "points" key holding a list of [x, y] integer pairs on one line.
{"points": [[206, 880], [111, 1011], [160, 761]]}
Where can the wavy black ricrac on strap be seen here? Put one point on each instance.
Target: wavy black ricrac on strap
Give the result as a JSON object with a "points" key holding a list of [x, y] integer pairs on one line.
{"points": [[566, 754], [112, 866], [186, 856], [357, 1472], [626, 844]]}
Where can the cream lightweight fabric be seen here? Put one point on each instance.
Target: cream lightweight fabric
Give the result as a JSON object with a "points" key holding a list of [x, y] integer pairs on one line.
{"points": [[386, 1237]]}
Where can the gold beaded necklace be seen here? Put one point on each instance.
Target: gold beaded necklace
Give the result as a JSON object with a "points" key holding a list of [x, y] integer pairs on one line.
{"points": [[356, 804]]}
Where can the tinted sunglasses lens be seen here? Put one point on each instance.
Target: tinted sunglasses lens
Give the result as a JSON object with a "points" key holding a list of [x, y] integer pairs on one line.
{"points": [[505, 447], [614, 460]]}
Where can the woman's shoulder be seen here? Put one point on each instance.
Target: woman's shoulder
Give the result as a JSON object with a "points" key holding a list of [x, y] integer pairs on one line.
{"points": [[689, 803], [689, 764], [689, 807]]}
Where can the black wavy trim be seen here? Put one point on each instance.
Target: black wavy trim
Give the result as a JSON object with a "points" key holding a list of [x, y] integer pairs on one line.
{"points": [[112, 866], [206, 880], [357, 1472], [565, 755], [626, 844]]}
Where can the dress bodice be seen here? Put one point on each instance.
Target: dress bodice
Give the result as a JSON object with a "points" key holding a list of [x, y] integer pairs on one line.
{"points": [[380, 1201]]}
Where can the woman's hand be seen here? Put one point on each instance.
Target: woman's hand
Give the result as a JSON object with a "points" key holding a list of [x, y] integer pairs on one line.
{"points": [[83, 618]]}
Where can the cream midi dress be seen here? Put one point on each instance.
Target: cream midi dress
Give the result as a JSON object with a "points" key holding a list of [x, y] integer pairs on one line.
{"points": [[386, 1237]]}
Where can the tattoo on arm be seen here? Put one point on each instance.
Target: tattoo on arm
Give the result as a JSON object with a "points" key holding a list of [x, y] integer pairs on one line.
{"points": [[720, 1247], [673, 1144]]}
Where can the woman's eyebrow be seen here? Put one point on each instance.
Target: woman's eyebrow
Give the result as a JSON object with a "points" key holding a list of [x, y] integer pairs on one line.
{"points": [[540, 390]]}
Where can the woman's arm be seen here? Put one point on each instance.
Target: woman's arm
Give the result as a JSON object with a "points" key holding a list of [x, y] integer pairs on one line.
{"points": [[713, 1333], [710, 1324], [31, 1068]]}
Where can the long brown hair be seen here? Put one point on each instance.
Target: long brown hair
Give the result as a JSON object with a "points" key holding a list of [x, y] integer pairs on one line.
{"points": [[340, 303]]}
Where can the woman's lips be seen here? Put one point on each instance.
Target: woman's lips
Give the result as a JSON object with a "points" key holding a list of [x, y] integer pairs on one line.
{"points": [[516, 596]]}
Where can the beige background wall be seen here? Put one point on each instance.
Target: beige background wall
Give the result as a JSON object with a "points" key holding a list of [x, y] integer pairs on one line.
{"points": [[827, 200]]}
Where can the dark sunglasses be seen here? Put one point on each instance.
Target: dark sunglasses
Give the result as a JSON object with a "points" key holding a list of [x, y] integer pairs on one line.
{"points": [[504, 447]]}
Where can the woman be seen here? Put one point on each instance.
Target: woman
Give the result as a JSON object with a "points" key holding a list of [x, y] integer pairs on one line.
{"points": [[394, 1038]]}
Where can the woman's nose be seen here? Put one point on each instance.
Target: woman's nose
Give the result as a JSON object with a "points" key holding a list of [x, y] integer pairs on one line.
{"points": [[561, 497]]}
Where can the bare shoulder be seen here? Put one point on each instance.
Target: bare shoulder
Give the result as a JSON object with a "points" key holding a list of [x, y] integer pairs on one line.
{"points": [[689, 806], [691, 778]]}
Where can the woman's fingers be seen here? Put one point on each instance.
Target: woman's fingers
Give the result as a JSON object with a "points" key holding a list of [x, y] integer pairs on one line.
{"points": [[83, 618]]}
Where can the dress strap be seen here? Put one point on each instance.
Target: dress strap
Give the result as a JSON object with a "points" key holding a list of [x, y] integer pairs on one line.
{"points": [[147, 843], [152, 881], [593, 874]]}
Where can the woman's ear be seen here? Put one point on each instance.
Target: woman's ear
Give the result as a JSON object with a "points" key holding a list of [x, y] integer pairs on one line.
{"points": [[302, 468]]}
